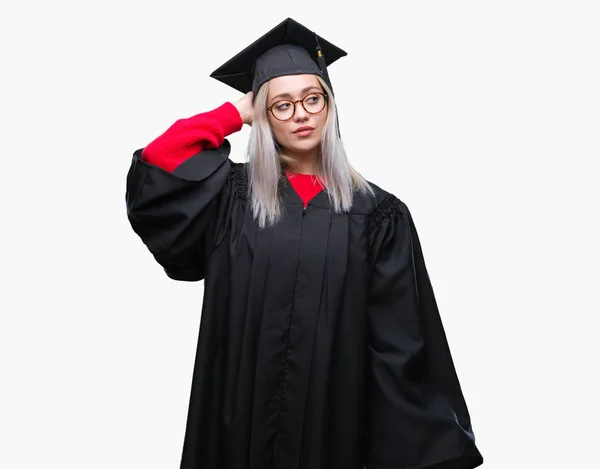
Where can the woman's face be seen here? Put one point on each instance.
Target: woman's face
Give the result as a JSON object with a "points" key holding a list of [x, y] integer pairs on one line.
{"points": [[288, 133]]}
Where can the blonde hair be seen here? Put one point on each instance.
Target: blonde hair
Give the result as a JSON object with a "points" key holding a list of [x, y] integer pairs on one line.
{"points": [[267, 162]]}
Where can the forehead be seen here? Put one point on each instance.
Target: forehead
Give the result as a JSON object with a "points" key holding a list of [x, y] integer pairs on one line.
{"points": [[292, 84]]}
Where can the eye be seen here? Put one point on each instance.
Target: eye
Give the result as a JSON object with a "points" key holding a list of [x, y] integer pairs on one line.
{"points": [[282, 105], [313, 98]]}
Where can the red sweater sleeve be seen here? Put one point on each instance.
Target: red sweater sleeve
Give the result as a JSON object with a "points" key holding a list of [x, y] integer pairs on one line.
{"points": [[187, 137]]}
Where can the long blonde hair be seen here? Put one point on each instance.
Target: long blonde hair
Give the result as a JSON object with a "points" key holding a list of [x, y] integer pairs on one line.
{"points": [[267, 161]]}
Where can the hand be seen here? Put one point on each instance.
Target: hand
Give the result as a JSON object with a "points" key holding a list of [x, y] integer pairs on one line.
{"points": [[244, 107]]}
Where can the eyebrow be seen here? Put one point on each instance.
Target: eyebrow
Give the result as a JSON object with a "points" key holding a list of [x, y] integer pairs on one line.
{"points": [[283, 95]]}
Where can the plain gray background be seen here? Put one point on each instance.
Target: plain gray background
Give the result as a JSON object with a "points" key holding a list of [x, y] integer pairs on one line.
{"points": [[481, 116]]}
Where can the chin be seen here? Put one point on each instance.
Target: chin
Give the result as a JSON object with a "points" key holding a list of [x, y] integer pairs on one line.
{"points": [[304, 146]]}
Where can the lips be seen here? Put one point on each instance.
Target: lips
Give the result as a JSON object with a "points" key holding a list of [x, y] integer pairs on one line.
{"points": [[303, 131]]}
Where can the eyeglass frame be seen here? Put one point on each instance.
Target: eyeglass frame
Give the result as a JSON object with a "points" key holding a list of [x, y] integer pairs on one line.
{"points": [[301, 101]]}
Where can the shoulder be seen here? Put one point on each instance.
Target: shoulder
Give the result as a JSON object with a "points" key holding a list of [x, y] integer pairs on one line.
{"points": [[379, 206], [238, 177], [239, 171]]}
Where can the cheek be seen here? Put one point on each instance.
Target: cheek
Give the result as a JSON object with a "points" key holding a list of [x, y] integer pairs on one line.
{"points": [[322, 119], [280, 132]]}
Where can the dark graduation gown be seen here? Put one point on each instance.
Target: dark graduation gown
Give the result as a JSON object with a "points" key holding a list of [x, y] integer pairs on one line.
{"points": [[320, 343]]}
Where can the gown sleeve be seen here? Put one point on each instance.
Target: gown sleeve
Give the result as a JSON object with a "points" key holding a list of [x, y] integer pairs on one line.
{"points": [[181, 191], [177, 217], [417, 415]]}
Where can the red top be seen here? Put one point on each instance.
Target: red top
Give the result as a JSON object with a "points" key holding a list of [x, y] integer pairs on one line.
{"points": [[188, 137], [306, 185]]}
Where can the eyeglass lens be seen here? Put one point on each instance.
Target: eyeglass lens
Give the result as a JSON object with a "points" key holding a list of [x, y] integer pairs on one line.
{"points": [[313, 103]]}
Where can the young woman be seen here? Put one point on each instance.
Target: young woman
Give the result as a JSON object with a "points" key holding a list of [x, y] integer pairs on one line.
{"points": [[320, 344]]}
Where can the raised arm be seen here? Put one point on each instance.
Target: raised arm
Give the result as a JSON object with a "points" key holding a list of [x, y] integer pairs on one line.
{"points": [[177, 187]]}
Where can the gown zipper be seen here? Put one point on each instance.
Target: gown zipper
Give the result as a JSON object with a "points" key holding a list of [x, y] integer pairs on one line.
{"points": [[281, 394]]}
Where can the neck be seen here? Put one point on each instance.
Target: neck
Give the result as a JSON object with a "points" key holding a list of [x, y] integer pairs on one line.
{"points": [[303, 163]]}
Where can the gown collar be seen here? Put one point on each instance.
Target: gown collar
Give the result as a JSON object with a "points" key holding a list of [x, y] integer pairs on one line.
{"points": [[290, 196]]}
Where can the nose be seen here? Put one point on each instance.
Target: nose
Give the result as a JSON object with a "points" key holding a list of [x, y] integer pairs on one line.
{"points": [[300, 113]]}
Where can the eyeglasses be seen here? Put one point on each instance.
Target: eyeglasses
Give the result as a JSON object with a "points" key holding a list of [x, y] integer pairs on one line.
{"points": [[285, 110]]}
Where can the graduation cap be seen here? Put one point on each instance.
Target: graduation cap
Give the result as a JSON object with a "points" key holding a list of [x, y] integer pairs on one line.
{"points": [[288, 49]]}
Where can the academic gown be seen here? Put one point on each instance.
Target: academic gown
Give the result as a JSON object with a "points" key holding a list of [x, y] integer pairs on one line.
{"points": [[320, 343]]}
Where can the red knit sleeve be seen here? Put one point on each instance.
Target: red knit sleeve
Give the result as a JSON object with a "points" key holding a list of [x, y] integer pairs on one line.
{"points": [[187, 137]]}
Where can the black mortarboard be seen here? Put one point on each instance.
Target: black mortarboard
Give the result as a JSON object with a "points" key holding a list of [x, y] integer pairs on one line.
{"points": [[288, 49]]}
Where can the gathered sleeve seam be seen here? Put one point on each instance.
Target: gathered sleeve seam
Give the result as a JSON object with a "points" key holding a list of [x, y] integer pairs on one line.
{"points": [[239, 180], [390, 205]]}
